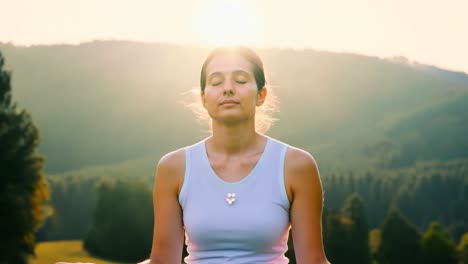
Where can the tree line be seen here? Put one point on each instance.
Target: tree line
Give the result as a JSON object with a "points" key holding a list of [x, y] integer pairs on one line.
{"points": [[374, 209], [123, 227], [430, 191]]}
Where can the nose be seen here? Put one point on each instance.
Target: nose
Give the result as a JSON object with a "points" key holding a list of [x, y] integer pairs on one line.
{"points": [[229, 87]]}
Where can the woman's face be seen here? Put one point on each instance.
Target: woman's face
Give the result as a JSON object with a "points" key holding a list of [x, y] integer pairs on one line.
{"points": [[231, 93]]}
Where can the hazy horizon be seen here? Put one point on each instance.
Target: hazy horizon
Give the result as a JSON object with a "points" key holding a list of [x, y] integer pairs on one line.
{"points": [[427, 32]]}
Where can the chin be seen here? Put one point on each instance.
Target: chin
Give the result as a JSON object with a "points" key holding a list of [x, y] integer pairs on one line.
{"points": [[231, 119]]}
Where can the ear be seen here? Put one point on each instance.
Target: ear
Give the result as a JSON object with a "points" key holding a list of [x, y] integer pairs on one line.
{"points": [[261, 96]]}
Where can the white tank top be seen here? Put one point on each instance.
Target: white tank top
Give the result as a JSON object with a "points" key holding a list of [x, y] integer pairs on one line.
{"points": [[235, 222]]}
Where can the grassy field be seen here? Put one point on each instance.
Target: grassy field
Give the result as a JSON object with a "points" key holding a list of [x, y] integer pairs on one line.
{"points": [[68, 251]]}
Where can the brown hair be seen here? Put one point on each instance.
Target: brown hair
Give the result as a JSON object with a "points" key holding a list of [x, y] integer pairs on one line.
{"points": [[244, 52]]}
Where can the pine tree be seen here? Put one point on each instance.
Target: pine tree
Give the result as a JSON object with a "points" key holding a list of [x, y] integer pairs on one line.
{"points": [[436, 246], [23, 190], [123, 222], [399, 240], [358, 236], [334, 237], [346, 234], [462, 249]]}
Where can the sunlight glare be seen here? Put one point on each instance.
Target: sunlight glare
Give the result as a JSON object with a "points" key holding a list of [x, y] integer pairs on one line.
{"points": [[225, 23]]}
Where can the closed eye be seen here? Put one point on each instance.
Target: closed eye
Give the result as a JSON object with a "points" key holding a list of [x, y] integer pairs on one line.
{"points": [[218, 83]]}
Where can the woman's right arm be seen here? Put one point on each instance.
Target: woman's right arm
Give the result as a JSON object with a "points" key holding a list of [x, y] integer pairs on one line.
{"points": [[168, 231]]}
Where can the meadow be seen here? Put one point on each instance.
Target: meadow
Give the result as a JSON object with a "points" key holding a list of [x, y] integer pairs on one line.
{"points": [[68, 251]]}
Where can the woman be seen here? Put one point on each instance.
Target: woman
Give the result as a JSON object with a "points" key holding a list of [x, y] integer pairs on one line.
{"points": [[236, 194]]}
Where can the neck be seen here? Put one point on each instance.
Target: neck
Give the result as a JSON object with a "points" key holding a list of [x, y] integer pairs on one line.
{"points": [[234, 138]]}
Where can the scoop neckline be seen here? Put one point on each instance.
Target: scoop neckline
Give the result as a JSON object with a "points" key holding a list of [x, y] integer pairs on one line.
{"points": [[246, 178]]}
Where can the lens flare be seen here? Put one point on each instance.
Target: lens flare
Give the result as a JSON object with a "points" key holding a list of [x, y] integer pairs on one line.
{"points": [[225, 23]]}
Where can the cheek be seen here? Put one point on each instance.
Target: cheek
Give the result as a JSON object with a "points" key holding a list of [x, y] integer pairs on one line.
{"points": [[209, 99], [254, 96]]}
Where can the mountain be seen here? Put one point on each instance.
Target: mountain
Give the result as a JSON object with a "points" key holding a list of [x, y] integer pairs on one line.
{"points": [[106, 102]]}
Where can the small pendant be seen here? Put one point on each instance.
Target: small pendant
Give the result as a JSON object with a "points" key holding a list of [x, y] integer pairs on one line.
{"points": [[231, 198]]}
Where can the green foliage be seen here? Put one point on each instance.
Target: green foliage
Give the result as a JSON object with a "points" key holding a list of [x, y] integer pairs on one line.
{"points": [[374, 241], [73, 198], [442, 184], [436, 246], [334, 238], [392, 113], [23, 190], [346, 235], [123, 222], [399, 240], [436, 133], [358, 230], [462, 249]]}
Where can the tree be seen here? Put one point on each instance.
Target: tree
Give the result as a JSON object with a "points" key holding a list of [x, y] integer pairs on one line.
{"points": [[374, 242], [73, 198], [399, 240], [23, 190], [346, 234], [334, 234], [358, 236], [462, 249], [123, 222], [436, 246]]}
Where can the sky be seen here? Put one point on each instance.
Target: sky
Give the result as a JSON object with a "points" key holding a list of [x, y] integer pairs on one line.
{"points": [[432, 32]]}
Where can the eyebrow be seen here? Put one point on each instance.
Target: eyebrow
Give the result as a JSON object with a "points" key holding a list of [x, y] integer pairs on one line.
{"points": [[236, 72]]}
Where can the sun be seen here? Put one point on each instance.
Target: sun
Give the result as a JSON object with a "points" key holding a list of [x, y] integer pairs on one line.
{"points": [[225, 23]]}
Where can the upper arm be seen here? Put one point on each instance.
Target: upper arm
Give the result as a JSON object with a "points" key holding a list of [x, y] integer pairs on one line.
{"points": [[168, 229], [303, 181]]}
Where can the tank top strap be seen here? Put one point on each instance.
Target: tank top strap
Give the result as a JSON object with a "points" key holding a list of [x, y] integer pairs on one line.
{"points": [[275, 159], [192, 158]]}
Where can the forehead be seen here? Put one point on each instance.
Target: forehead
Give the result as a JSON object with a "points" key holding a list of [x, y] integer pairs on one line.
{"points": [[228, 63]]}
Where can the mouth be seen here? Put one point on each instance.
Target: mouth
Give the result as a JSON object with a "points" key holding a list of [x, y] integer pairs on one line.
{"points": [[229, 102]]}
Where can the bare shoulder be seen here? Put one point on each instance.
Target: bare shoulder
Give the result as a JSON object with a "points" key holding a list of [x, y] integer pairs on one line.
{"points": [[297, 158], [301, 171], [171, 169], [173, 160], [300, 163]]}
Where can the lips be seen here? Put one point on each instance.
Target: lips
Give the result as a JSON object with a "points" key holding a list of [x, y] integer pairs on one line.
{"points": [[225, 102]]}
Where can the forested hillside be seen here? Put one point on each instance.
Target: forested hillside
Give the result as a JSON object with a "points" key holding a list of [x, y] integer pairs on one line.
{"points": [[106, 102]]}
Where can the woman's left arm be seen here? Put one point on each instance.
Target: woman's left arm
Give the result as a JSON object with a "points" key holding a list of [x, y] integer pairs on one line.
{"points": [[302, 179]]}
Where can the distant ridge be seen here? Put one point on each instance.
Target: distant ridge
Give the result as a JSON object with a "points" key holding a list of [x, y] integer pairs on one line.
{"points": [[106, 102]]}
